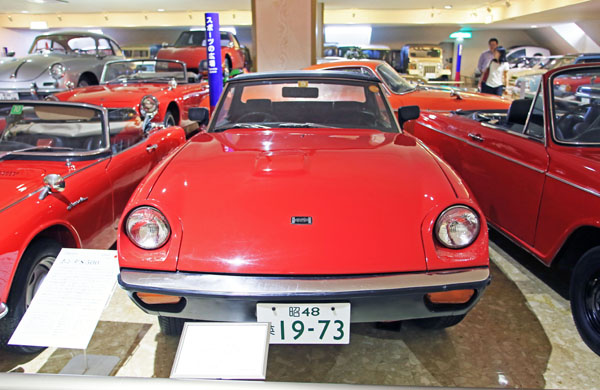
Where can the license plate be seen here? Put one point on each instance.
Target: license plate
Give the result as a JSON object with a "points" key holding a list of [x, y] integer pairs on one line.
{"points": [[430, 76], [306, 323], [9, 96]]}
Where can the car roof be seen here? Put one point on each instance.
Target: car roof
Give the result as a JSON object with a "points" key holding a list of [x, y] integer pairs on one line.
{"points": [[301, 74], [350, 63], [76, 32]]}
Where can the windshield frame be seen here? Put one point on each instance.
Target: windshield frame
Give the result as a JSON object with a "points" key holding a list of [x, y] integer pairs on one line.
{"points": [[133, 81], [66, 154], [63, 40], [394, 129], [549, 85]]}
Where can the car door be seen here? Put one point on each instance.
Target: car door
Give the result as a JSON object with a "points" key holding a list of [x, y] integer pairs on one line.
{"points": [[505, 168]]}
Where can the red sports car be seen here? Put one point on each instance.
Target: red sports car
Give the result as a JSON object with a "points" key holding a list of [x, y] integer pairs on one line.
{"points": [[306, 206], [66, 174], [401, 93], [190, 48], [160, 89], [534, 171]]}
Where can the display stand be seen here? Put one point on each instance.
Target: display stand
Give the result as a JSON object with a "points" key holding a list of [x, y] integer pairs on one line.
{"points": [[67, 307]]}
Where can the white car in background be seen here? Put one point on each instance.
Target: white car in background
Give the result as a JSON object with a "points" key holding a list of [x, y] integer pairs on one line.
{"points": [[516, 53]]}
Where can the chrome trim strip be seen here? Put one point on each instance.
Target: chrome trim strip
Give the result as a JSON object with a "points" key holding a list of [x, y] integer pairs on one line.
{"points": [[482, 148], [243, 286], [185, 75], [3, 310], [588, 190], [41, 188]]}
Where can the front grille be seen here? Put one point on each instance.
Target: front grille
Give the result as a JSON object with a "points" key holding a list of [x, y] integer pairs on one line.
{"points": [[429, 69]]}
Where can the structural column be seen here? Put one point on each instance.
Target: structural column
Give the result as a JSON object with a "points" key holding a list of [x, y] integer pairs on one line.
{"points": [[284, 34]]}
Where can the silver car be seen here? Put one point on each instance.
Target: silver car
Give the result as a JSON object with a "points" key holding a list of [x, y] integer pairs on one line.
{"points": [[56, 62]]}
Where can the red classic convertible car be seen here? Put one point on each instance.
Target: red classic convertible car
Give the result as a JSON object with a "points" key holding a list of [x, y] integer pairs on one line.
{"points": [[157, 88], [304, 205], [66, 174], [534, 171], [190, 48], [401, 93]]}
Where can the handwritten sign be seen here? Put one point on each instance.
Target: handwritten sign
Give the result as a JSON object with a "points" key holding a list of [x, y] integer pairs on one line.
{"points": [[66, 308], [213, 57]]}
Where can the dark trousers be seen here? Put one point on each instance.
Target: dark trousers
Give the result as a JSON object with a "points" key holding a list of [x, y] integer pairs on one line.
{"points": [[493, 91]]}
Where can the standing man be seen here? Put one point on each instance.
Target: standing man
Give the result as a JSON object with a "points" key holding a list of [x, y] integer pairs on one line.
{"points": [[486, 57]]}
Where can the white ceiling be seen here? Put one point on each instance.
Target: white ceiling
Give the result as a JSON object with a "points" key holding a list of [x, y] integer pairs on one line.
{"points": [[94, 6]]}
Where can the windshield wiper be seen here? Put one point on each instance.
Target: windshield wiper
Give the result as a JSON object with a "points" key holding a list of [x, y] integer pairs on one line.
{"points": [[306, 124], [241, 126]]}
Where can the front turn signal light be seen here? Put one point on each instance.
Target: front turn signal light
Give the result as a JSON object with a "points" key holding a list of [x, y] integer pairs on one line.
{"points": [[157, 299], [455, 297]]}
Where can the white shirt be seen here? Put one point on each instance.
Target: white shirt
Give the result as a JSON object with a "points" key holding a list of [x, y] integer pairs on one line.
{"points": [[496, 76]]}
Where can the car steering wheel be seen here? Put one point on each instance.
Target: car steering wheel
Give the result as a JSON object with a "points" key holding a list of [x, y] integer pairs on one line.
{"points": [[258, 116]]}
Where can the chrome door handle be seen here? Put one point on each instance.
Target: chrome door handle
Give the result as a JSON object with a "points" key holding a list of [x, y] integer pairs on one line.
{"points": [[476, 137], [150, 148]]}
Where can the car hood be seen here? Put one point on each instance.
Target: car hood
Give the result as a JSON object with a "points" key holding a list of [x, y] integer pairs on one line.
{"points": [[235, 194], [435, 99], [190, 55], [115, 95], [30, 67], [20, 178]]}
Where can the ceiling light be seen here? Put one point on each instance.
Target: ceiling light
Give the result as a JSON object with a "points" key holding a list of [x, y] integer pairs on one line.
{"points": [[38, 26], [161, 10], [534, 26], [448, 6], [508, 4], [24, 12]]}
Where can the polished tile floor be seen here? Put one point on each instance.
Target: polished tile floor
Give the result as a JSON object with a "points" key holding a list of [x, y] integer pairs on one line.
{"points": [[520, 335]]}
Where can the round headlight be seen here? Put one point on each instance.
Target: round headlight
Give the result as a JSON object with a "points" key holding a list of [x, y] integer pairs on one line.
{"points": [[147, 228], [457, 227], [57, 71], [148, 105]]}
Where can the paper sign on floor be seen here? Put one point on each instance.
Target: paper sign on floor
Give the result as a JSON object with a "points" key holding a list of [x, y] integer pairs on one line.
{"points": [[222, 351], [66, 308]]}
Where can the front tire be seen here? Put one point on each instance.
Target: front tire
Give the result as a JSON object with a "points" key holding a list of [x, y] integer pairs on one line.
{"points": [[33, 268], [585, 298], [171, 326], [169, 119], [439, 322], [86, 81]]}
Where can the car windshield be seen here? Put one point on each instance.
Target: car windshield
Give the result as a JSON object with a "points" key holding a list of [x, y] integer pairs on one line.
{"points": [[425, 52], [55, 128], [64, 44], [143, 71], [576, 106], [350, 52], [198, 38], [376, 54], [558, 62], [298, 103], [393, 80]]}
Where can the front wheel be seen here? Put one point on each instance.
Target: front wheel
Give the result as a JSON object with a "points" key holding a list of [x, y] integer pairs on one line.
{"points": [[33, 269], [585, 298], [171, 326], [169, 119]]}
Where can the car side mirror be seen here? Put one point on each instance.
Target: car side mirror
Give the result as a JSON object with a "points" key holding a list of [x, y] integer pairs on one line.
{"points": [[199, 114], [408, 113], [10, 54], [52, 183]]}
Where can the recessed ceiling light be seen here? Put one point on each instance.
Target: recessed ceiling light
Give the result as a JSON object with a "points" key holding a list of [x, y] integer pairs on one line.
{"points": [[448, 6], [534, 26], [24, 12], [161, 10]]}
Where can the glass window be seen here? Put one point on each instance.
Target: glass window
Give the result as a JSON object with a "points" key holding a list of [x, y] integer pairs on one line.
{"points": [[104, 47], [576, 106], [535, 126], [117, 49], [84, 45], [392, 79], [46, 44]]}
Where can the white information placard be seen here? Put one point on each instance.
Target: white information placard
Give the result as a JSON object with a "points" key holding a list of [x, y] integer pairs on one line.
{"points": [[222, 350], [66, 308]]}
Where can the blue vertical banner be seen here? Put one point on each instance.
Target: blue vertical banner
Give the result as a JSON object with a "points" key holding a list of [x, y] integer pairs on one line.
{"points": [[458, 61], [213, 57]]}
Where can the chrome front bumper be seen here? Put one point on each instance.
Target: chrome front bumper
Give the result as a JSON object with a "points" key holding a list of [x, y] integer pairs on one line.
{"points": [[372, 298], [3, 309]]}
